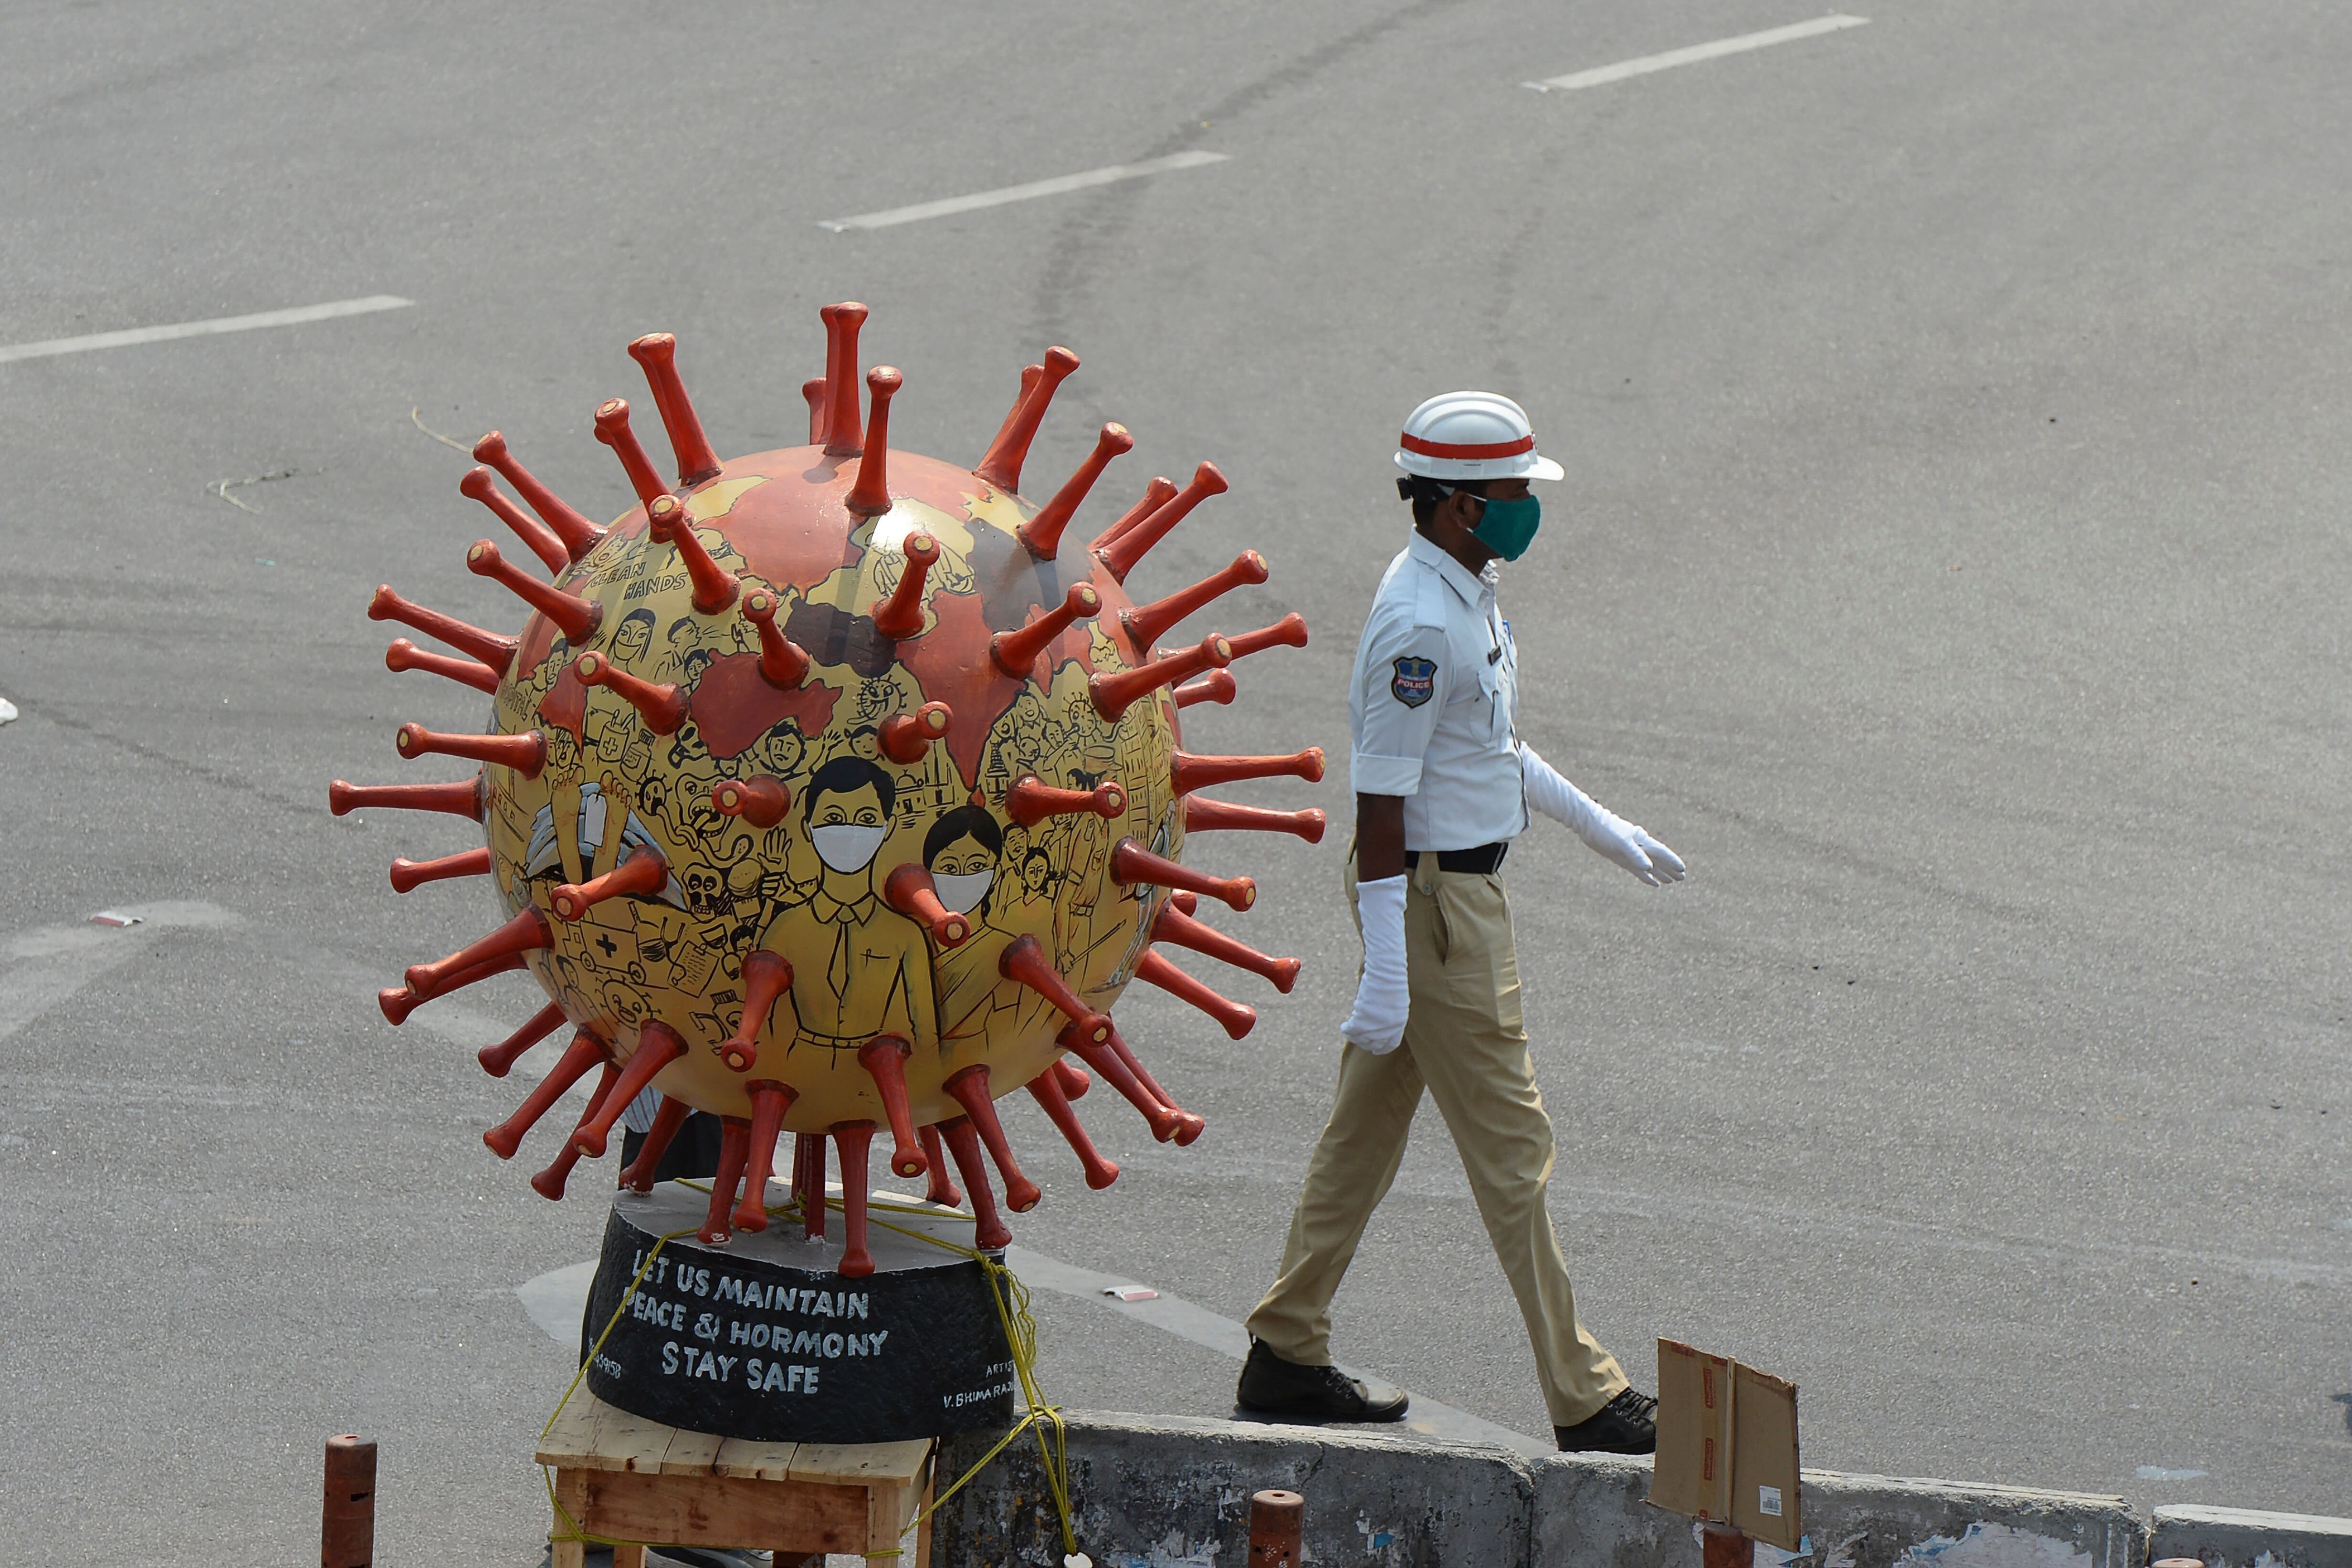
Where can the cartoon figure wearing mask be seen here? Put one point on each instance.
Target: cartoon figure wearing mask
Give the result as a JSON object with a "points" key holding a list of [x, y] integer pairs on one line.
{"points": [[962, 852], [860, 968]]}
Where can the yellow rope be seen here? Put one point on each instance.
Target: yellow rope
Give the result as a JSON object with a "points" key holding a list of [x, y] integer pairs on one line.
{"points": [[1011, 1297]]}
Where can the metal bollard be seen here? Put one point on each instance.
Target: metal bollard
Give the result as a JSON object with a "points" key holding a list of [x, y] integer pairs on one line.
{"points": [[1277, 1522], [346, 1526]]}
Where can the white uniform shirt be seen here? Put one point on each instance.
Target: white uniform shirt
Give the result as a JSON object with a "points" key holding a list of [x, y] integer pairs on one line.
{"points": [[1431, 709]]}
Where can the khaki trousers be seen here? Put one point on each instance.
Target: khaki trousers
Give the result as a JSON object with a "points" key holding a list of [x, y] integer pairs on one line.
{"points": [[1465, 1042]]}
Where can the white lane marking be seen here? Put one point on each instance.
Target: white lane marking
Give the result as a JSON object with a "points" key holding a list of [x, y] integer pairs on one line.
{"points": [[557, 1300], [217, 324], [1030, 192], [46, 966], [7, 710], [1602, 75]]}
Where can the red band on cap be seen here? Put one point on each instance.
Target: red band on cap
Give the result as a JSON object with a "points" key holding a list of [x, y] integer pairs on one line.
{"points": [[1444, 449]]}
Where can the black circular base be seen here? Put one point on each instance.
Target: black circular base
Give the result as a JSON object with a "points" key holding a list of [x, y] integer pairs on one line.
{"points": [[761, 1339]]}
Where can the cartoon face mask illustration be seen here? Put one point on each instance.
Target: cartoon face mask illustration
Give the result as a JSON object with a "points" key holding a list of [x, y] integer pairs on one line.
{"points": [[846, 846], [960, 891], [960, 851], [848, 812]]}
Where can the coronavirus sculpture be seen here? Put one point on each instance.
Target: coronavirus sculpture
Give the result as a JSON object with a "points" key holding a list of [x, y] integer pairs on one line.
{"points": [[835, 790]]}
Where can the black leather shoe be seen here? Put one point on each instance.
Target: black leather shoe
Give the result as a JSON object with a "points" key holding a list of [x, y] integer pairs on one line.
{"points": [[1626, 1424], [1273, 1387]]}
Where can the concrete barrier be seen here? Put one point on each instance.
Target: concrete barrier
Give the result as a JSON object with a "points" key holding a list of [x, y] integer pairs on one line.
{"points": [[2245, 1538], [1173, 1492]]}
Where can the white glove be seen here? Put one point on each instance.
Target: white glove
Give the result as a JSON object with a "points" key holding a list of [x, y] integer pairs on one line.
{"points": [[1376, 1023], [1602, 829]]}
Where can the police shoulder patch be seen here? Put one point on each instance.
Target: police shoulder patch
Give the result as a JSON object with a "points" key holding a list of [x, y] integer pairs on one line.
{"points": [[1415, 681]]}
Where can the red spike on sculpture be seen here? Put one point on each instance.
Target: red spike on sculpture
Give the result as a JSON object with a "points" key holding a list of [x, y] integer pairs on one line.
{"points": [[762, 801], [1192, 772], [658, 1046], [1130, 863], [1015, 652], [579, 536], [1119, 556], [525, 753], [668, 1117], [550, 1183], [1202, 815], [1114, 691], [403, 655], [808, 1182], [398, 1002], [657, 353], [1178, 928], [663, 706], [941, 1188], [715, 588], [496, 652], [854, 1141], [1216, 687], [1030, 376], [1002, 466], [766, 977], [734, 1147], [813, 390], [1042, 535], [906, 738], [408, 875], [463, 798], [1146, 623], [842, 436], [1031, 800], [585, 1051], [908, 889], [613, 430], [575, 617], [771, 1101], [968, 1086], [783, 663], [885, 1060], [1186, 1125], [526, 933], [1046, 1090], [500, 1059], [1072, 1078], [1155, 494], [871, 493], [1236, 1018], [1098, 1054], [480, 485], [901, 614], [1290, 631], [988, 1233], [1024, 961], [644, 873]]}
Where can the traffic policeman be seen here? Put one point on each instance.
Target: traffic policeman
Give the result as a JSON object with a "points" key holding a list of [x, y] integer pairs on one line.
{"points": [[1443, 785]]}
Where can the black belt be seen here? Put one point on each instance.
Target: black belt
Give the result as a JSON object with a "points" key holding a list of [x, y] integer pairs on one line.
{"points": [[1484, 860]]}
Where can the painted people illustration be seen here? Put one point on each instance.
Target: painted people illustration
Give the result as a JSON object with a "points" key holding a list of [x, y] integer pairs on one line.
{"points": [[963, 851], [859, 967]]}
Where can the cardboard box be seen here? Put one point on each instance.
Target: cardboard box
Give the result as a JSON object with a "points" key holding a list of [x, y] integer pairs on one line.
{"points": [[1726, 1445]]}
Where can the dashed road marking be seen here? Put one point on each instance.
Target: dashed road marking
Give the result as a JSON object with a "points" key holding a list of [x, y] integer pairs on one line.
{"points": [[1031, 191], [1602, 75], [205, 329]]}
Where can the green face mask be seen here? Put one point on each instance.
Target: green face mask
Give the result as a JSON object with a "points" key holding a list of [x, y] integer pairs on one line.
{"points": [[1507, 527]]}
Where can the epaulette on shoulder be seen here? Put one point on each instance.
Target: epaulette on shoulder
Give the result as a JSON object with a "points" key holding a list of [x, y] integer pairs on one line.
{"points": [[1429, 600]]}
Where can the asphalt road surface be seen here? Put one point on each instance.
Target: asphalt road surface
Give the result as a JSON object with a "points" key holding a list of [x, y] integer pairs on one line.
{"points": [[1952, 566]]}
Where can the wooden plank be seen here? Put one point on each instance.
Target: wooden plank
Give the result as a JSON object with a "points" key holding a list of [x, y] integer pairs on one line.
{"points": [[859, 1464], [718, 1510], [747, 1460], [572, 1493], [629, 1555], [626, 1442], [572, 1439], [690, 1453]]}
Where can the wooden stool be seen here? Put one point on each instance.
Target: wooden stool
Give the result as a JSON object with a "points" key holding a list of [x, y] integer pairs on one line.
{"points": [[626, 1478]]}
